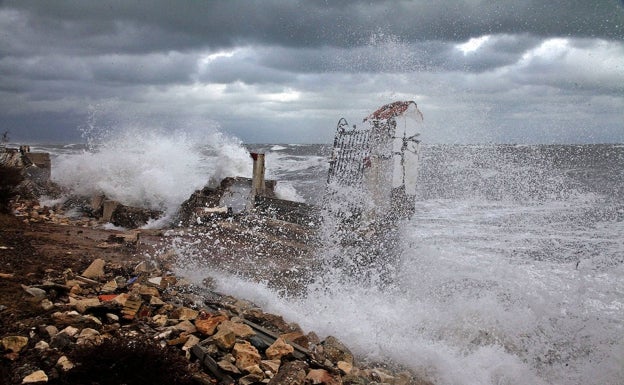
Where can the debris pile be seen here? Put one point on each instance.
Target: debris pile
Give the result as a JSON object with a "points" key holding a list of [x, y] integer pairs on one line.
{"points": [[223, 339]]}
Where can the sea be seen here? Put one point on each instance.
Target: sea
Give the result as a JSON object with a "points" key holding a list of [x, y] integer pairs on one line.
{"points": [[511, 270]]}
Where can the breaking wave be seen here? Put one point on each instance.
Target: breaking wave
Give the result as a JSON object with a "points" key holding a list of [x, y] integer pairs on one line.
{"points": [[152, 168]]}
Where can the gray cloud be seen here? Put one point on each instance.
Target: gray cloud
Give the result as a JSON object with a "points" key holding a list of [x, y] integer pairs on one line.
{"points": [[107, 26], [273, 70]]}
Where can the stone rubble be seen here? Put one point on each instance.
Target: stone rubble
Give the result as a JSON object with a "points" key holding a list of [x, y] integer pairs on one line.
{"points": [[224, 339], [230, 340]]}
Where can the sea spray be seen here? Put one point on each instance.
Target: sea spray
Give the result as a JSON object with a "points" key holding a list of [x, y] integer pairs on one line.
{"points": [[152, 168], [510, 272]]}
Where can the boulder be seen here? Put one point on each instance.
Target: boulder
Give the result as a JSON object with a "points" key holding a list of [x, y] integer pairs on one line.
{"points": [[271, 366], [246, 355], [39, 294], [64, 363], [130, 217], [240, 329], [14, 343], [186, 326], [296, 337], [95, 269], [185, 313], [207, 324], [344, 367], [322, 376], [279, 349], [190, 342], [224, 339], [70, 331], [291, 373], [46, 305], [42, 346], [89, 336], [83, 304], [35, 377], [336, 351], [109, 287]]}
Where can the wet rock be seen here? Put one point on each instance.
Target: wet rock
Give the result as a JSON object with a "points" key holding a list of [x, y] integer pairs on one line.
{"points": [[240, 329], [180, 340], [149, 291], [185, 313], [83, 304], [296, 337], [110, 287], [60, 341], [64, 363], [36, 377], [89, 336], [37, 293], [46, 305], [14, 343], [95, 269], [336, 351], [42, 346], [224, 339], [270, 321], [351, 379], [51, 330], [251, 378], [132, 217], [164, 335], [406, 378], [70, 331], [92, 320], [186, 326], [156, 302], [291, 373], [246, 355], [190, 342], [227, 365], [208, 325], [159, 320], [146, 267], [279, 349], [344, 367], [322, 376], [121, 299], [271, 366], [67, 318]]}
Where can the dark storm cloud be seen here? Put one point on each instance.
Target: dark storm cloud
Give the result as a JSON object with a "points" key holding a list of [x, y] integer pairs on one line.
{"points": [[285, 68], [138, 26]]}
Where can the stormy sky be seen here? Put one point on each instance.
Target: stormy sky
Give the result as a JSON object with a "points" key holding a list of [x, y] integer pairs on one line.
{"points": [[522, 71]]}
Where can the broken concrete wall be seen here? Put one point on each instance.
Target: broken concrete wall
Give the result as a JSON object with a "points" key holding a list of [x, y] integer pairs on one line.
{"points": [[232, 196], [34, 168], [289, 211]]}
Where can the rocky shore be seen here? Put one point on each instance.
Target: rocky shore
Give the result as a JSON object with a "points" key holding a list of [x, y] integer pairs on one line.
{"points": [[83, 302], [84, 305]]}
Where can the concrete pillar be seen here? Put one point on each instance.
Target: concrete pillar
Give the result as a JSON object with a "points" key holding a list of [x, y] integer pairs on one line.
{"points": [[109, 208], [258, 185]]}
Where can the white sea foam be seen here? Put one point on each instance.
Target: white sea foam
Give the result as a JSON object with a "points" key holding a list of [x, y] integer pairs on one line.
{"points": [[286, 190], [150, 168], [510, 273]]}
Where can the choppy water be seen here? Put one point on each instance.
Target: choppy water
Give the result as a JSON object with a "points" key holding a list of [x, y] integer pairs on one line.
{"points": [[512, 268]]}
